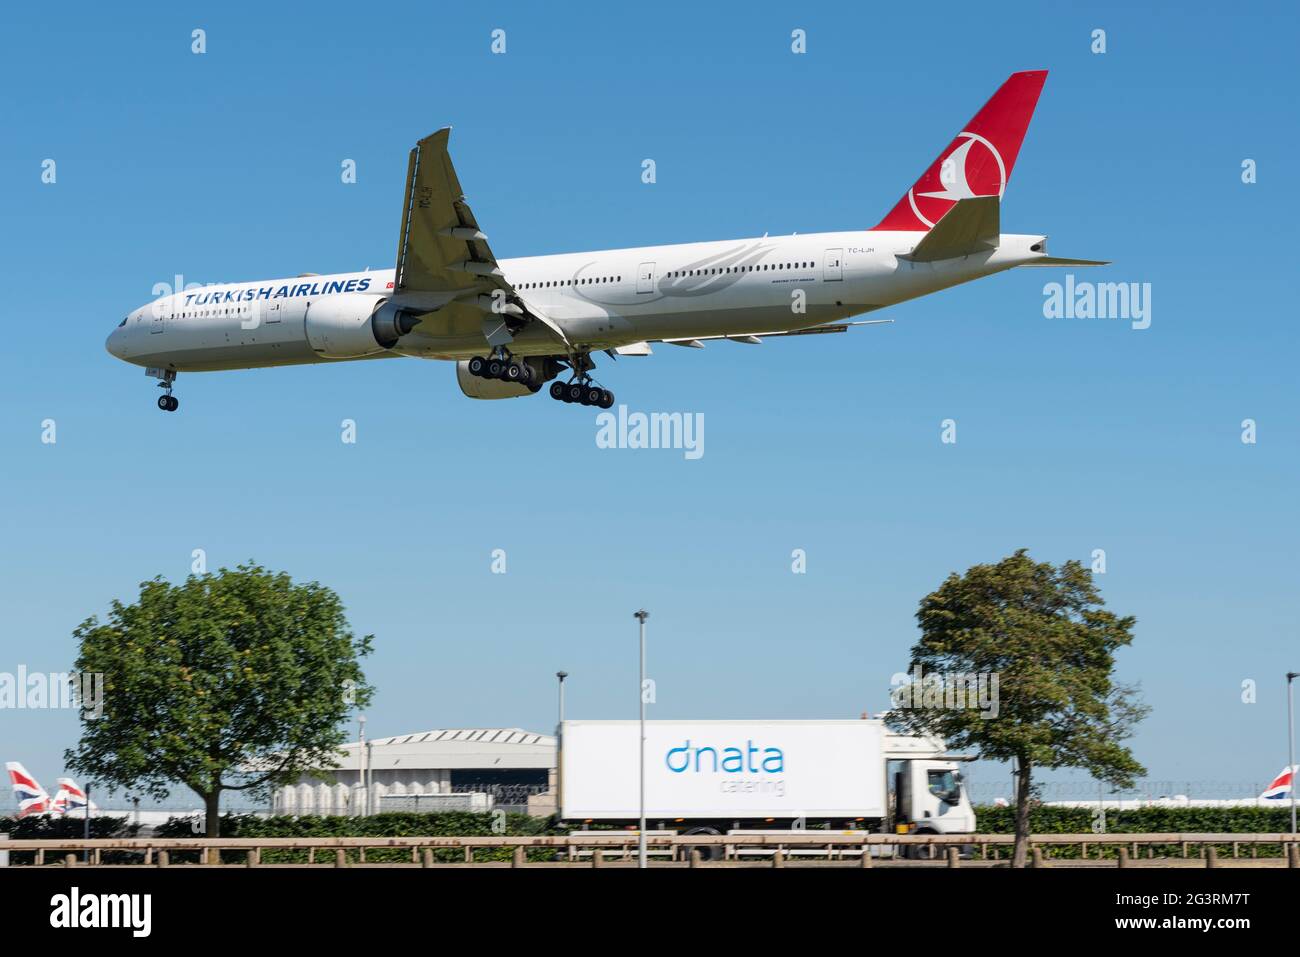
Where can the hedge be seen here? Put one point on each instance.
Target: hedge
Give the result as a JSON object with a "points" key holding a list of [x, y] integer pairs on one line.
{"points": [[1145, 820], [54, 828], [446, 824], [991, 820]]}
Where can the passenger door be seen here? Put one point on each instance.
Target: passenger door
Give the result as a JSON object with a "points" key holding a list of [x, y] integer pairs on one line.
{"points": [[833, 270], [645, 278]]}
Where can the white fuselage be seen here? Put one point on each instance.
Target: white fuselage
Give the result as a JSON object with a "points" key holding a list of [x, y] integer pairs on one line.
{"points": [[602, 300]]}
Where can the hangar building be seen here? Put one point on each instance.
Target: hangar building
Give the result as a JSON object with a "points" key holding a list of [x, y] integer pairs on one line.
{"points": [[449, 769]]}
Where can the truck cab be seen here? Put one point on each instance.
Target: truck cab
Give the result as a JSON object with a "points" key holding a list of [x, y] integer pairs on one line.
{"points": [[927, 794]]}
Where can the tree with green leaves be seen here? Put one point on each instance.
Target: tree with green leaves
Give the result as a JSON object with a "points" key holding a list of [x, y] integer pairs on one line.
{"points": [[238, 681], [1045, 634]]}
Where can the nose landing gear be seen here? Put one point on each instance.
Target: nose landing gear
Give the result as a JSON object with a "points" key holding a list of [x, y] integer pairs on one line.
{"points": [[166, 402]]}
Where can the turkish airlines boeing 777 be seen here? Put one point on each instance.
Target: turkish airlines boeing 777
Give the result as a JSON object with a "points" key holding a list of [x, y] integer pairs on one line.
{"points": [[513, 324]]}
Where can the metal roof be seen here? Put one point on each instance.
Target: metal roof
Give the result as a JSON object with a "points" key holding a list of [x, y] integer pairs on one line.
{"points": [[457, 748], [494, 735]]}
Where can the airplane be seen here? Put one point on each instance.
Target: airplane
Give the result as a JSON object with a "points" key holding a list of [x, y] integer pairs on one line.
{"points": [[1280, 788], [511, 325], [31, 797], [70, 797]]}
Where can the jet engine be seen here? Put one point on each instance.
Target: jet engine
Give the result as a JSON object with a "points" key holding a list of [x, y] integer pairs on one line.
{"points": [[350, 325]]}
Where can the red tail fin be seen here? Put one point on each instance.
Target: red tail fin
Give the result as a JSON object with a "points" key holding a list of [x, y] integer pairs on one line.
{"points": [[978, 162]]}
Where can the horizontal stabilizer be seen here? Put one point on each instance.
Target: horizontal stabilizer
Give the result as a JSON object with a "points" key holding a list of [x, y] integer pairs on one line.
{"points": [[1062, 261], [972, 226]]}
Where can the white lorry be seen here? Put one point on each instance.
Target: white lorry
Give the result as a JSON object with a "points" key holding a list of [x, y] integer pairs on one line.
{"points": [[711, 777]]}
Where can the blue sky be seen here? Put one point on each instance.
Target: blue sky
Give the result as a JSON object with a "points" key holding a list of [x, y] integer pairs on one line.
{"points": [[1072, 434]]}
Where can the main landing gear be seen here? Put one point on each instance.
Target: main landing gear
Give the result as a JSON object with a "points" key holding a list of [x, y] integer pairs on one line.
{"points": [[584, 392], [167, 402], [579, 390], [506, 368]]}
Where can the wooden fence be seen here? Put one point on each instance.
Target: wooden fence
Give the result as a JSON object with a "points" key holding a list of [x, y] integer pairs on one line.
{"points": [[596, 849]]}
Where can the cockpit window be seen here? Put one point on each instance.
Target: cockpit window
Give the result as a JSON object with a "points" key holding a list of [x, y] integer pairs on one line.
{"points": [[123, 322]]}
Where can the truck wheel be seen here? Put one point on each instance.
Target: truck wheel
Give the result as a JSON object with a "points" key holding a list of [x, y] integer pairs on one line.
{"points": [[920, 852], [708, 852]]}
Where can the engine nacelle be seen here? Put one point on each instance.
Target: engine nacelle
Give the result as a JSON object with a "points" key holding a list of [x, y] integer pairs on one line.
{"points": [[476, 388], [350, 325]]}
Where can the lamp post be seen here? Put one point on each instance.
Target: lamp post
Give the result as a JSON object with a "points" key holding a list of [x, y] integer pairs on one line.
{"points": [[371, 806], [559, 742], [1290, 738], [361, 766], [641, 616], [91, 784]]}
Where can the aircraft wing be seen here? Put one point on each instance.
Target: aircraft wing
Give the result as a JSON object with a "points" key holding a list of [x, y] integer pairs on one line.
{"points": [[756, 338], [443, 258]]}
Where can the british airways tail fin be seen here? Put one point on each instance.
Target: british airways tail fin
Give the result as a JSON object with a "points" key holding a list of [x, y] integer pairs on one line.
{"points": [[978, 162], [31, 797], [70, 797], [1280, 789]]}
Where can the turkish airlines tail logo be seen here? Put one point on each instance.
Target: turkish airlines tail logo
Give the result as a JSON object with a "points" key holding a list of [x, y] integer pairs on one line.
{"points": [[978, 161]]}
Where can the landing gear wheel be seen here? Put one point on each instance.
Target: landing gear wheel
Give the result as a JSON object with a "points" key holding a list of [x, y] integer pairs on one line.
{"points": [[495, 368], [593, 395], [557, 391], [514, 372], [477, 366], [606, 399], [573, 392], [167, 402]]}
